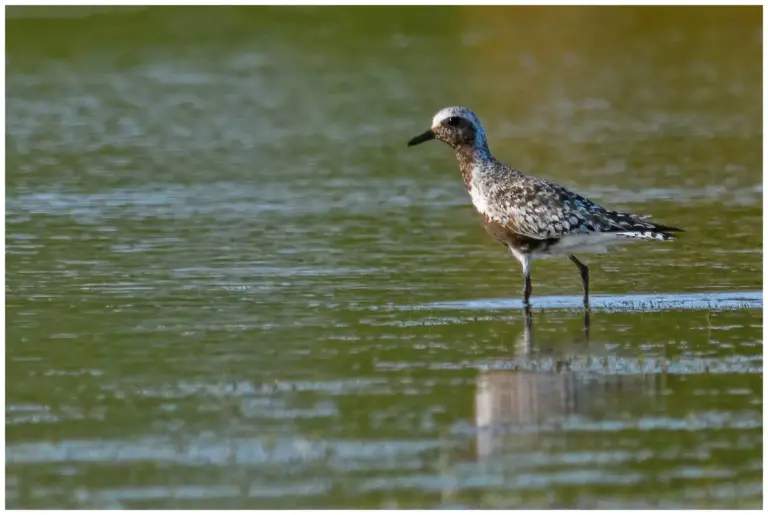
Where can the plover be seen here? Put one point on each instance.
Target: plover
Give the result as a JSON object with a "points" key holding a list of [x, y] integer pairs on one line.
{"points": [[534, 218]]}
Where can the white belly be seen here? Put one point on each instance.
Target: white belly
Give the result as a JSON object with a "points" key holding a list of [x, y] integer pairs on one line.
{"points": [[595, 243]]}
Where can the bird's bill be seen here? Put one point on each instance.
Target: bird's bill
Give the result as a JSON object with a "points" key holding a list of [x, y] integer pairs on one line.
{"points": [[421, 138]]}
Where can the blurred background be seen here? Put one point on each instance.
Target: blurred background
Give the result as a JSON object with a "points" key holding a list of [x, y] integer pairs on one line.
{"points": [[231, 285]]}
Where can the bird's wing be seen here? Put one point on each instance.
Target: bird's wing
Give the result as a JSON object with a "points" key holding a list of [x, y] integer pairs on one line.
{"points": [[541, 209]]}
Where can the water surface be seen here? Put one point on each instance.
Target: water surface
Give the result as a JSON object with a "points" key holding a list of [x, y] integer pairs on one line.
{"points": [[231, 285]]}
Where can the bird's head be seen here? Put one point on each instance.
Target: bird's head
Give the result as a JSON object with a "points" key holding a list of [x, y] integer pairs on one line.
{"points": [[456, 126]]}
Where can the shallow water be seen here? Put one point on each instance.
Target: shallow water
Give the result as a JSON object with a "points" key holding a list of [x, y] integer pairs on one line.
{"points": [[230, 284]]}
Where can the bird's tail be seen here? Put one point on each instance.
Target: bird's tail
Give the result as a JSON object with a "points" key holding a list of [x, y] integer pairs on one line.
{"points": [[647, 235], [634, 226]]}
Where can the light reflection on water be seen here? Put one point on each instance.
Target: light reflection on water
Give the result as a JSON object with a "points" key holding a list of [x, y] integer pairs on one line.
{"points": [[625, 303]]}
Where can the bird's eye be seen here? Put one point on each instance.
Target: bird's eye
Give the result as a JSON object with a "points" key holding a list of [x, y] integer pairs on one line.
{"points": [[453, 121]]}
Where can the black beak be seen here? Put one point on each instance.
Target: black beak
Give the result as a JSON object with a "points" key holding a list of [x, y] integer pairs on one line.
{"points": [[421, 138]]}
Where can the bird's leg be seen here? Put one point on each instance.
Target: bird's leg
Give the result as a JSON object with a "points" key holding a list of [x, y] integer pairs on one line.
{"points": [[528, 321], [527, 288], [525, 260], [584, 271]]}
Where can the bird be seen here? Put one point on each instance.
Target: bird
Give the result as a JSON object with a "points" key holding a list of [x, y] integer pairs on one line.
{"points": [[533, 217]]}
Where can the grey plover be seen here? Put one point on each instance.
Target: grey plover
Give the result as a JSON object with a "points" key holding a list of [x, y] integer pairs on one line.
{"points": [[534, 218]]}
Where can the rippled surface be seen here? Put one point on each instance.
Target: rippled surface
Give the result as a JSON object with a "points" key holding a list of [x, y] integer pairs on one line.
{"points": [[231, 285]]}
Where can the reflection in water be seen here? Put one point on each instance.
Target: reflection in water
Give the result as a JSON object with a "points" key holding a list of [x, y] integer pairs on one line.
{"points": [[528, 403], [524, 342]]}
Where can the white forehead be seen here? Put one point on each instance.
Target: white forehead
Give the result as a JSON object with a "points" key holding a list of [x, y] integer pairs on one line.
{"points": [[463, 112]]}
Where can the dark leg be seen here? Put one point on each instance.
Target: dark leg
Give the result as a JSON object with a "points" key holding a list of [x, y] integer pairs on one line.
{"points": [[527, 291], [528, 319], [527, 287], [525, 260], [584, 271]]}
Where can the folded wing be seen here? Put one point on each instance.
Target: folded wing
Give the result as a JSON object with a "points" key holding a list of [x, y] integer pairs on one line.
{"points": [[542, 210]]}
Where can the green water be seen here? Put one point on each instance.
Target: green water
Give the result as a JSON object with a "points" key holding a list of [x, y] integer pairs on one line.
{"points": [[231, 285]]}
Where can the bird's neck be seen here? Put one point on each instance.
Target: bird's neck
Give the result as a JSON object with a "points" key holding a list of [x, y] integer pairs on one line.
{"points": [[470, 156]]}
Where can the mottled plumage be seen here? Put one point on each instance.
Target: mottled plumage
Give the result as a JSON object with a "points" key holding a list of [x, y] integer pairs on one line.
{"points": [[533, 217]]}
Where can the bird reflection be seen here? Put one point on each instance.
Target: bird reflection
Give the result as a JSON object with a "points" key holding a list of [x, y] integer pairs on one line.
{"points": [[524, 343], [515, 405]]}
